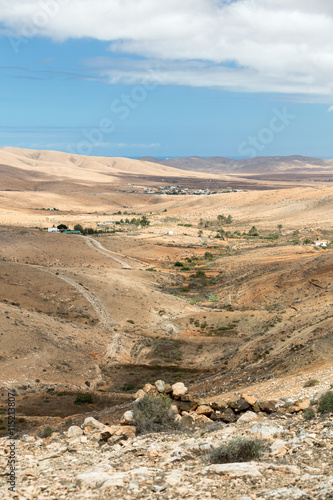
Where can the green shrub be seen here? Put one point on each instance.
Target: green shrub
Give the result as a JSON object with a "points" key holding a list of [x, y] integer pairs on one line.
{"points": [[311, 382], [129, 386], [154, 414], [46, 432], [308, 414], [326, 402], [178, 264], [238, 450], [84, 399], [208, 255], [200, 274]]}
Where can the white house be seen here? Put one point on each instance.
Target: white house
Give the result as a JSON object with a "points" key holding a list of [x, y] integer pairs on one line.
{"points": [[321, 243], [53, 230]]}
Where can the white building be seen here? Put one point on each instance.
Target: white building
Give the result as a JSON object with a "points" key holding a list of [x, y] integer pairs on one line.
{"points": [[53, 230], [321, 243]]}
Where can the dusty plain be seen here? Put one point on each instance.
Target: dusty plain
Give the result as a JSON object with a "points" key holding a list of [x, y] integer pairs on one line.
{"points": [[107, 312]]}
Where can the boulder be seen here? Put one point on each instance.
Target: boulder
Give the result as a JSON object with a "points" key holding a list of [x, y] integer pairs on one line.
{"points": [[185, 405], [92, 422], [300, 405], [178, 390], [265, 430], [278, 448], [160, 385], [74, 431], [127, 431], [242, 405], [127, 418], [232, 402], [187, 420], [235, 470], [286, 493], [228, 416], [168, 389], [93, 478], [139, 394], [150, 389], [249, 416], [268, 406], [249, 399], [201, 420], [204, 410], [219, 405]]}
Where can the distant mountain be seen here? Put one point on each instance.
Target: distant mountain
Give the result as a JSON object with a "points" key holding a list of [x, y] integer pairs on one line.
{"points": [[258, 165]]}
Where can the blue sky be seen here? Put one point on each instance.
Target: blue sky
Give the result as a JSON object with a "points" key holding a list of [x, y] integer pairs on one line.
{"points": [[144, 78]]}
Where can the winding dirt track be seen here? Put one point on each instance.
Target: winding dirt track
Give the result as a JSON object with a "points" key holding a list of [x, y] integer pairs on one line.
{"points": [[96, 245], [94, 301]]}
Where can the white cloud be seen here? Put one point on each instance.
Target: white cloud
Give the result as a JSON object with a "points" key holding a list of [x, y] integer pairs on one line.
{"points": [[330, 109], [280, 46]]}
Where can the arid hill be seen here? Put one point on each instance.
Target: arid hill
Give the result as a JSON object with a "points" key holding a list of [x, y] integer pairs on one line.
{"points": [[257, 165], [192, 295]]}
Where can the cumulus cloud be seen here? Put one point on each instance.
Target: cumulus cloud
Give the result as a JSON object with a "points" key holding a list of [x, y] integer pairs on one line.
{"points": [[330, 109], [254, 45]]}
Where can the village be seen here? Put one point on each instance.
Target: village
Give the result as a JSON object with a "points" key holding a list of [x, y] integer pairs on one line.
{"points": [[180, 190]]}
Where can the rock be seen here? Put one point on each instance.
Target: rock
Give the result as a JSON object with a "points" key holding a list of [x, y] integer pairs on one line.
{"points": [[204, 410], [278, 448], [94, 478], [301, 404], [148, 389], [179, 389], [249, 416], [235, 470], [228, 416], [116, 479], [139, 394], [160, 385], [284, 494], [92, 422], [268, 406], [186, 405], [159, 487], [249, 399], [174, 478], [174, 408], [127, 418], [187, 420], [201, 420], [263, 430], [232, 402], [74, 431], [127, 431], [219, 405]]}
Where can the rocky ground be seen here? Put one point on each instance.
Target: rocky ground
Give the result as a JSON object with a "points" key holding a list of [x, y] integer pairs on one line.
{"points": [[109, 460]]}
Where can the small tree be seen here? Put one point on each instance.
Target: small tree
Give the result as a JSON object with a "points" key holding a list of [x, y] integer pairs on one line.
{"points": [[62, 227], [253, 231], [78, 227], [144, 221]]}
